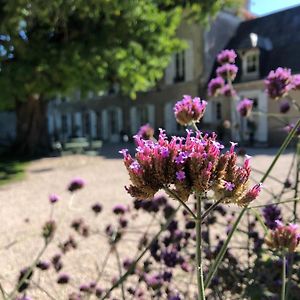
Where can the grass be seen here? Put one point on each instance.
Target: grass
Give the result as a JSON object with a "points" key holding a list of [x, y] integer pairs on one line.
{"points": [[11, 170]]}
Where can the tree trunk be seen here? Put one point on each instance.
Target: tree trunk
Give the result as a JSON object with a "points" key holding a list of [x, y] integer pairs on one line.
{"points": [[32, 130]]}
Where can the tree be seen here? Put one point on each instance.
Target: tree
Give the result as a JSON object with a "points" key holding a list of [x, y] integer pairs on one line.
{"points": [[54, 47]]}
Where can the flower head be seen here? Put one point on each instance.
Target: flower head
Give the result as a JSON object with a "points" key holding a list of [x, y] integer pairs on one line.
{"points": [[271, 214], [146, 132], [189, 110], [63, 278], [228, 91], [283, 237], [120, 209], [296, 82], [76, 184], [226, 56], [97, 208], [227, 71], [215, 86], [244, 107], [53, 198], [49, 230], [284, 107], [194, 164], [278, 83]]}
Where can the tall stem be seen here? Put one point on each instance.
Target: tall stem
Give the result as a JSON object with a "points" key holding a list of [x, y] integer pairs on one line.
{"points": [[283, 277], [213, 269], [200, 281]]}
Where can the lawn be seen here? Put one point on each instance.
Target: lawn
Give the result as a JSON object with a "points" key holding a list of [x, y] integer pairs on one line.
{"points": [[11, 170]]}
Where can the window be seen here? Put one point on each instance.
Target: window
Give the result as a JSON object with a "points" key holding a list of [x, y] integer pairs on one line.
{"points": [[98, 124], [64, 124], [219, 111], [251, 63], [179, 66], [142, 113], [86, 124], [112, 117]]}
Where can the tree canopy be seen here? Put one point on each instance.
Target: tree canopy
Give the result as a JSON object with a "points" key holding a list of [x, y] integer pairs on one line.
{"points": [[50, 47]]}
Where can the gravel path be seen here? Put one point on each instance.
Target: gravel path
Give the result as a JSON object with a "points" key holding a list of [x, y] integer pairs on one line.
{"points": [[25, 207]]}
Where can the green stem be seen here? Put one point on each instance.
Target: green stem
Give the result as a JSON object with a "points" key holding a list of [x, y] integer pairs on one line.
{"points": [[283, 277], [210, 209], [223, 250], [175, 196], [131, 268], [120, 273], [200, 281]]}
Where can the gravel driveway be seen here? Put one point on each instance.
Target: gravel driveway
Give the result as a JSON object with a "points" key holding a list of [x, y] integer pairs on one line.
{"points": [[25, 207]]}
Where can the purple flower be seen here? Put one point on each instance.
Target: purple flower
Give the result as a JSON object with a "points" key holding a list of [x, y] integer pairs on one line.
{"points": [[284, 107], [24, 298], [228, 91], [43, 265], [119, 209], [227, 71], [154, 281], [244, 107], [189, 110], [290, 127], [226, 56], [271, 214], [296, 82], [76, 184], [283, 237], [146, 132], [215, 86], [97, 208], [229, 186], [53, 198], [180, 175], [278, 83], [63, 278]]}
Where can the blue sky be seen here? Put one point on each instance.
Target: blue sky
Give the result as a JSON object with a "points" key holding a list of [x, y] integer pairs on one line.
{"points": [[263, 7]]}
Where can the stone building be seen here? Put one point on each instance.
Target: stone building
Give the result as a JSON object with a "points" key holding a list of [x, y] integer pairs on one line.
{"points": [[262, 45], [109, 116]]}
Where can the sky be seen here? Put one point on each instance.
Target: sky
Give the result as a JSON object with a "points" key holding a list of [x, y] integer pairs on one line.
{"points": [[263, 7]]}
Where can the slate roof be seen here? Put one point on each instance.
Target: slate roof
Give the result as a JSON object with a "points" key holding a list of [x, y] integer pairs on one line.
{"points": [[278, 40]]}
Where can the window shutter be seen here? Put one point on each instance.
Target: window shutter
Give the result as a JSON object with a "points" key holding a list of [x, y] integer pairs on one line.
{"points": [[133, 120], [104, 119], [170, 71], [189, 62]]}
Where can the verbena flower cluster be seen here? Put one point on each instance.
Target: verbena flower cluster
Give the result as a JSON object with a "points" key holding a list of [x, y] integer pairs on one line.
{"points": [[146, 132], [226, 72], [283, 237], [189, 110], [278, 83], [188, 165], [244, 107]]}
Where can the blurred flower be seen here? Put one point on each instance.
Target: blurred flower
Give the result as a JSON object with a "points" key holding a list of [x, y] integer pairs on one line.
{"points": [[53, 198], [119, 209], [271, 213], [97, 208], [278, 83], [24, 297], [76, 184], [24, 278], [228, 91], [227, 71], [283, 237], [63, 278], [43, 265], [146, 132], [226, 56], [296, 82], [290, 127], [189, 110], [284, 107], [215, 86], [287, 183], [244, 107]]}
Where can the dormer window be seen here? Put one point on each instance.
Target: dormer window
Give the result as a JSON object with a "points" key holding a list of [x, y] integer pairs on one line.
{"points": [[251, 64]]}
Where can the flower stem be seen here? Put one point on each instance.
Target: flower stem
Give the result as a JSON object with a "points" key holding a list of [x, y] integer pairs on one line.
{"points": [[200, 280], [131, 268], [120, 272], [175, 196], [283, 277], [223, 250]]}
